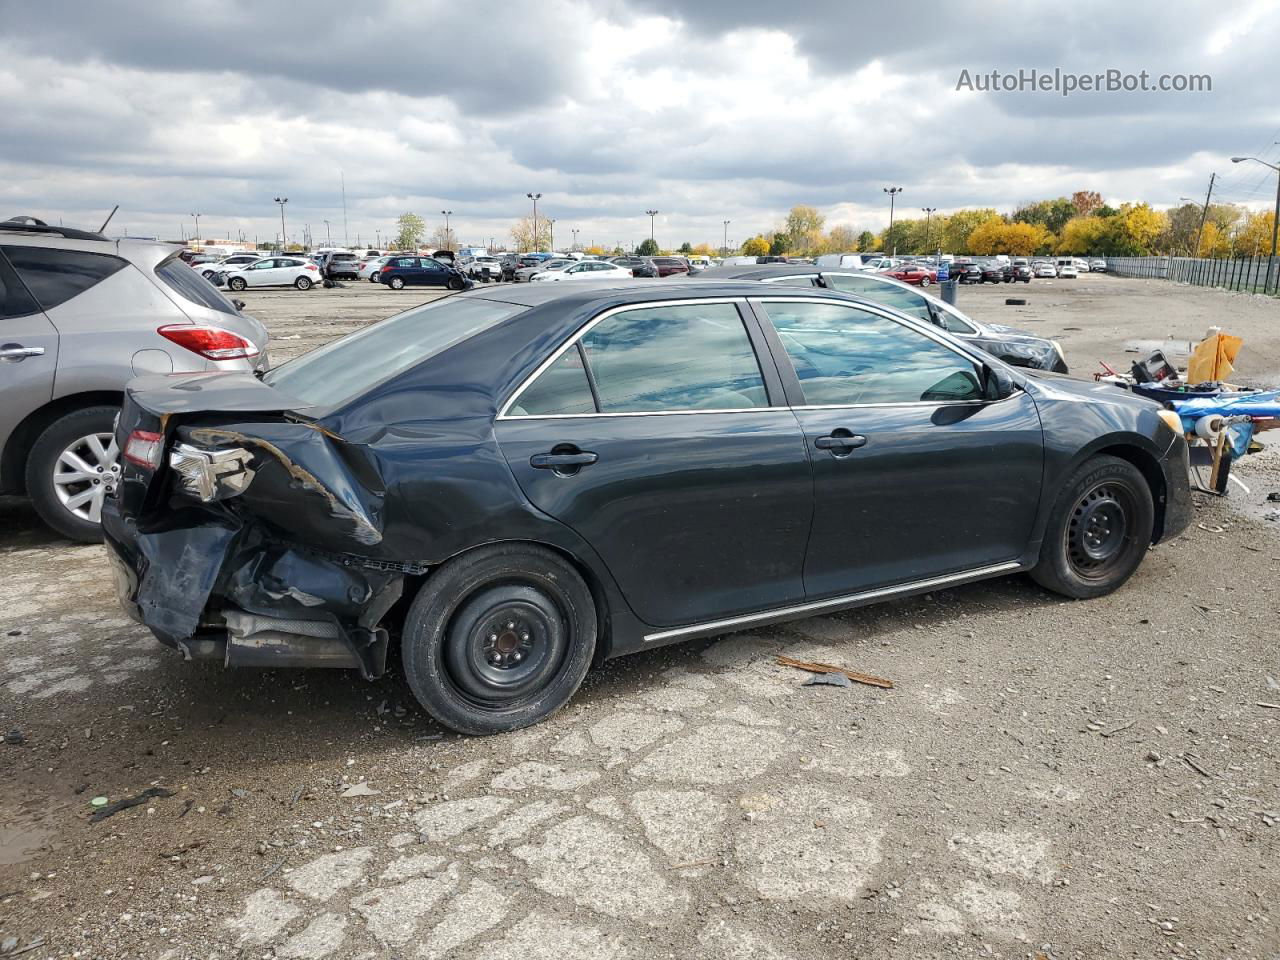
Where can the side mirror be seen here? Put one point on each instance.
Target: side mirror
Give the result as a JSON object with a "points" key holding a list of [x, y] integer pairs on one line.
{"points": [[996, 383], [939, 318]]}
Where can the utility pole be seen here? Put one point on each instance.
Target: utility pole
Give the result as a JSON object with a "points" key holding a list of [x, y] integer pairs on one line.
{"points": [[448, 240], [1204, 212], [551, 224], [1275, 223], [535, 197], [724, 251], [196, 236], [652, 214], [328, 237], [282, 201], [928, 218], [346, 237], [893, 193]]}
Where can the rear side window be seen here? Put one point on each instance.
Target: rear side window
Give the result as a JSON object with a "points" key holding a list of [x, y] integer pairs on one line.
{"points": [[14, 299], [191, 286], [55, 276], [846, 356], [891, 295], [561, 389]]}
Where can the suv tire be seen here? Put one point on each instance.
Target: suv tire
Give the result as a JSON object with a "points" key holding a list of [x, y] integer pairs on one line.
{"points": [[49, 457]]}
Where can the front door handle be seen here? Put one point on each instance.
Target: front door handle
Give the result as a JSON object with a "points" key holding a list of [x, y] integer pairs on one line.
{"points": [[840, 442], [16, 352]]}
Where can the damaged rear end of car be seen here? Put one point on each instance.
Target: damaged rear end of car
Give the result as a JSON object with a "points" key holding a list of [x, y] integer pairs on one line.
{"points": [[231, 499]]}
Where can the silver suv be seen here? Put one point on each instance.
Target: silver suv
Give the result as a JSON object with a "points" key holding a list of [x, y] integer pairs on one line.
{"points": [[80, 315]]}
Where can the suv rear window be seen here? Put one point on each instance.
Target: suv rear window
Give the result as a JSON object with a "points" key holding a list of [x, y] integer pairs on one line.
{"points": [[55, 276], [190, 285], [344, 256]]}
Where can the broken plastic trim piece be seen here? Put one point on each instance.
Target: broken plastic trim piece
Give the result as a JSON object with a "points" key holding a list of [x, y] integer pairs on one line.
{"points": [[212, 474]]}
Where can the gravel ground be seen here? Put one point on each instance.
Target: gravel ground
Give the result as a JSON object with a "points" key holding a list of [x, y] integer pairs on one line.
{"points": [[1046, 778]]}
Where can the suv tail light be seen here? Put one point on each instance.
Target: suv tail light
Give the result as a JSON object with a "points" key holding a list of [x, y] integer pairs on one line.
{"points": [[144, 448], [209, 342]]}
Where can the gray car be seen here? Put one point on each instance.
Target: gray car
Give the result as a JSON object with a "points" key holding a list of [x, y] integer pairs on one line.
{"points": [[80, 316]]}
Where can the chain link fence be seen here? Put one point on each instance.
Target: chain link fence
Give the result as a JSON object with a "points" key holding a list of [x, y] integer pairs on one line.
{"points": [[1245, 274]]}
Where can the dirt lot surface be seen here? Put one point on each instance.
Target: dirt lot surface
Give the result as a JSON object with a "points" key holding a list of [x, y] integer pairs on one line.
{"points": [[1046, 778]]}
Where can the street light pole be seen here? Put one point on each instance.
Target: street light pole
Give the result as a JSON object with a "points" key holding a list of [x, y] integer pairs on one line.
{"points": [[575, 237], [197, 233], [282, 201], [535, 197], [893, 193], [725, 249], [928, 218], [328, 237], [652, 214], [1275, 223], [448, 239], [551, 224]]}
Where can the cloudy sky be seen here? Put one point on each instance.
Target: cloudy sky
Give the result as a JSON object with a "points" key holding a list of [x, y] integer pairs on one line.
{"points": [[709, 111]]}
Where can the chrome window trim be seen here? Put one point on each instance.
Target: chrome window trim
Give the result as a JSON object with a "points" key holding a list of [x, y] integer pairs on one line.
{"points": [[712, 627], [504, 414]]}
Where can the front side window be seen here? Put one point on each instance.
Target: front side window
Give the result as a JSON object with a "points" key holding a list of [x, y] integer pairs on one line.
{"points": [[846, 356], [55, 276], [654, 360], [890, 294]]}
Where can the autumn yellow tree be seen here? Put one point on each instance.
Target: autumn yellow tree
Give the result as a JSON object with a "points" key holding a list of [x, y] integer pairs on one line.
{"points": [[1214, 241], [1133, 230], [1254, 239], [1083, 235], [987, 237], [757, 246]]}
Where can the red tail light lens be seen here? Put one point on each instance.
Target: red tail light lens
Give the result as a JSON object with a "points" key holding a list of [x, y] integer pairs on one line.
{"points": [[209, 342], [312, 266], [144, 448]]}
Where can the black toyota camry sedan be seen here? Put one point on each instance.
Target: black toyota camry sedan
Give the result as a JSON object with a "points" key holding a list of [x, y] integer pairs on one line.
{"points": [[1018, 348], [508, 485]]}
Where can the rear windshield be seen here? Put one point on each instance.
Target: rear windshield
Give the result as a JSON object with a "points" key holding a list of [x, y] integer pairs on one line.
{"points": [[345, 368], [344, 256], [190, 285]]}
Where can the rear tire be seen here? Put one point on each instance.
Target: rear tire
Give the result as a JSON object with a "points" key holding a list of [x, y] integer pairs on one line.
{"points": [[499, 638], [925, 281], [302, 283], [1099, 530], [63, 502]]}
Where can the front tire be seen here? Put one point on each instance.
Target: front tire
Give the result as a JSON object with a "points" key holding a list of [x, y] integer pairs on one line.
{"points": [[1099, 530], [499, 638], [71, 468], [237, 283], [396, 283], [456, 283]]}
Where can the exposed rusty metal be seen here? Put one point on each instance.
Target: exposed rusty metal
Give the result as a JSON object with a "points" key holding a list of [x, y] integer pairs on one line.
{"points": [[853, 675]]}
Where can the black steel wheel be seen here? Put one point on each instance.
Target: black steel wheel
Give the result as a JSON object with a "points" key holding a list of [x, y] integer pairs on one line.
{"points": [[1099, 531], [499, 638]]}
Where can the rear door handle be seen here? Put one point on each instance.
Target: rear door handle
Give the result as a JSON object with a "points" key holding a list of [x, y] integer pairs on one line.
{"points": [[16, 352], [837, 442], [557, 461]]}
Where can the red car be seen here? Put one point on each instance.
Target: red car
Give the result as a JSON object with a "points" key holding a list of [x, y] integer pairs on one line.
{"points": [[913, 273], [670, 266]]}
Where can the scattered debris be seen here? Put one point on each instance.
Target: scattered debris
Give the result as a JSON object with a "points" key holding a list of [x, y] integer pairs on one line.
{"points": [[35, 944], [1114, 730], [186, 847], [1190, 761], [1269, 706], [271, 871], [1211, 527], [1273, 496], [111, 810], [15, 737], [828, 679], [1273, 683], [828, 668], [98, 802], [361, 789], [186, 807]]}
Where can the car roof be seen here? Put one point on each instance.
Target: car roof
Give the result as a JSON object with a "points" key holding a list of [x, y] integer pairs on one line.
{"points": [[586, 292]]}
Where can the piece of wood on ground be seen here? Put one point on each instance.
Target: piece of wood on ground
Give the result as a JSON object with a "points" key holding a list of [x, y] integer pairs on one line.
{"points": [[853, 675]]}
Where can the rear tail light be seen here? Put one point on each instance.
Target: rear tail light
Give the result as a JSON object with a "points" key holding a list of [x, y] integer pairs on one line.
{"points": [[210, 342], [211, 474], [144, 448], [312, 266]]}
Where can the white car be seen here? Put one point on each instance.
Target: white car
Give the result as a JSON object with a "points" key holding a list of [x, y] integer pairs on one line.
{"points": [[476, 266], [227, 264], [524, 274], [880, 264], [1046, 270], [275, 272], [369, 268], [1097, 265], [584, 270], [1068, 270]]}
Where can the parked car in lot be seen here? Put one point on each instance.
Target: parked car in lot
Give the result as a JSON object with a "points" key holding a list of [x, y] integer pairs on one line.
{"points": [[521, 482], [1015, 347], [400, 272], [670, 266], [639, 266], [340, 265], [584, 270], [1098, 265], [1068, 271], [525, 274], [992, 271], [274, 272], [216, 272], [477, 266], [915, 274], [82, 315], [1015, 272], [1046, 270], [371, 267], [965, 271]]}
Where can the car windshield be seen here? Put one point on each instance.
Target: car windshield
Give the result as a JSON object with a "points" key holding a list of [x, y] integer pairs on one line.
{"points": [[343, 369], [189, 285]]}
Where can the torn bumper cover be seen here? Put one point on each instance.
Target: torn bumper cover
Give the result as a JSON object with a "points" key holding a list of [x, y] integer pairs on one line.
{"points": [[206, 548]]}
